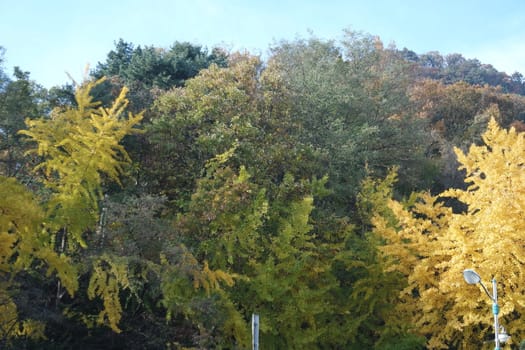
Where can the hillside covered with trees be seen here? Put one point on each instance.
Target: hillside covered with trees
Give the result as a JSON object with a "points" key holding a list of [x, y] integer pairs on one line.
{"points": [[336, 188]]}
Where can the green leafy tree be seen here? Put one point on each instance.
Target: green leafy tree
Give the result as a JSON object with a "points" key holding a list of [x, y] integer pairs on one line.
{"points": [[351, 100], [220, 107], [148, 70], [19, 99], [156, 67], [313, 286]]}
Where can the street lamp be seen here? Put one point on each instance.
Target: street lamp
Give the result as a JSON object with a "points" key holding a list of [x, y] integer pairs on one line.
{"points": [[471, 277]]}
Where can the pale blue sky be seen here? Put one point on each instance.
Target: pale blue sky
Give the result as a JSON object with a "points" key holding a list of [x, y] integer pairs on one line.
{"points": [[50, 37]]}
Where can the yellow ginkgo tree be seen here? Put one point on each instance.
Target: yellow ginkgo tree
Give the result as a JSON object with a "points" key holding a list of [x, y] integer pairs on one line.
{"points": [[78, 147], [481, 227]]}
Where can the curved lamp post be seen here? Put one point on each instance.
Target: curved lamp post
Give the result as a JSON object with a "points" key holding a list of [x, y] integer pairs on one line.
{"points": [[471, 277]]}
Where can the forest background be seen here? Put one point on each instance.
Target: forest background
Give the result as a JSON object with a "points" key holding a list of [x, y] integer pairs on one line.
{"points": [[338, 188]]}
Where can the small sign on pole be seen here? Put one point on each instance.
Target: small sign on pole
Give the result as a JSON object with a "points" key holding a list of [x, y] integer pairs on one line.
{"points": [[255, 332]]}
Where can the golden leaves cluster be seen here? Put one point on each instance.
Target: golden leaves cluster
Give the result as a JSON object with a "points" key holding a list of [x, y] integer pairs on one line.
{"points": [[431, 245], [80, 146]]}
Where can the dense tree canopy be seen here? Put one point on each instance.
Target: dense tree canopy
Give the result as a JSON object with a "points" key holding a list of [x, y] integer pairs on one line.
{"points": [[145, 70], [454, 68], [336, 188]]}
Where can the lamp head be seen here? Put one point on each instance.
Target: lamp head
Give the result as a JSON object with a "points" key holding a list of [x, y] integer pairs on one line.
{"points": [[502, 335], [471, 277]]}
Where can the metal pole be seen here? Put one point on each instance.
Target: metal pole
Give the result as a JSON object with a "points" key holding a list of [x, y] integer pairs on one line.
{"points": [[255, 332], [495, 311]]}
